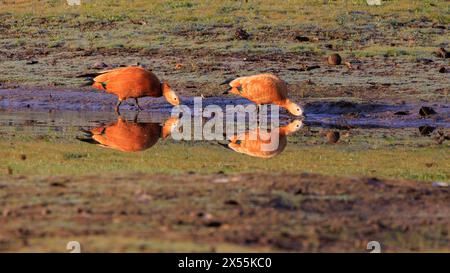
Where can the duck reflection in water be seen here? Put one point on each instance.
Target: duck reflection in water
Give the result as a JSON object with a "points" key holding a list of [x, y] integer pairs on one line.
{"points": [[129, 136], [263, 143]]}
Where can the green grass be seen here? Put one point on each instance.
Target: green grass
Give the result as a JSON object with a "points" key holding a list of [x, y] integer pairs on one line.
{"points": [[52, 31], [397, 157], [390, 51], [66, 190]]}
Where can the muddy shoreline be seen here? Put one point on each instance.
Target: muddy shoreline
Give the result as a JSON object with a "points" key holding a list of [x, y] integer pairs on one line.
{"points": [[326, 113]]}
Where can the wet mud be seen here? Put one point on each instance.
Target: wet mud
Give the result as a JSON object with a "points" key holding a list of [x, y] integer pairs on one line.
{"points": [[324, 113]]}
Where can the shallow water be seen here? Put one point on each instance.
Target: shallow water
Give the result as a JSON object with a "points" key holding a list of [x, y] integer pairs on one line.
{"points": [[321, 113], [147, 128], [55, 142]]}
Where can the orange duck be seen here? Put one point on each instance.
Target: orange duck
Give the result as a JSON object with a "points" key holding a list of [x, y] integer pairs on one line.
{"points": [[262, 143], [264, 89], [127, 136], [132, 82]]}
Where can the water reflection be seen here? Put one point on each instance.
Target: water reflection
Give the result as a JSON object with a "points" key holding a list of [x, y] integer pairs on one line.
{"points": [[134, 136], [129, 136], [263, 143]]}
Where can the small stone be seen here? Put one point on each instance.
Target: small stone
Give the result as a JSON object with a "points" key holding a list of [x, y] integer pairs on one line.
{"points": [[6, 212], [144, 198], [375, 182], [439, 184], [401, 113], [46, 211], [231, 202], [309, 82], [334, 59], [426, 130], [221, 180], [424, 60], [214, 224], [349, 65], [441, 137], [99, 65], [426, 111], [311, 67], [302, 38], [57, 184], [373, 2], [23, 157], [442, 53], [333, 136], [241, 34]]}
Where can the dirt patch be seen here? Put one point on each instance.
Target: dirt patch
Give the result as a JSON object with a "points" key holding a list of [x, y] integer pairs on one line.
{"points": [[303, 212]]}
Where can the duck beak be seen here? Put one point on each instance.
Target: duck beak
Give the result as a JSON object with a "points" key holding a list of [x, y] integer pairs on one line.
{"points": [[226, 92]]}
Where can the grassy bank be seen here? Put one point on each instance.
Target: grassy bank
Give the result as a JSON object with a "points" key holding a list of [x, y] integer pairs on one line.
{"points": [[200, 35], [385, 154]]}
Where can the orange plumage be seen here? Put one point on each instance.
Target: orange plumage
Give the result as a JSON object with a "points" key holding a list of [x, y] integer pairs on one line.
{"points": [[264, 89], [133, 82], [264, 143], [130, 136]]}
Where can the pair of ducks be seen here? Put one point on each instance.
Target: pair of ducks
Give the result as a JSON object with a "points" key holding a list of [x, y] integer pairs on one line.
{"points": [[133, 136], [136, 82]]}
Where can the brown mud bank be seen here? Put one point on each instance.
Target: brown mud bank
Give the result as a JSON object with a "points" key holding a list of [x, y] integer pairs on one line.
{"points": [[319, 112], [241, 212]]}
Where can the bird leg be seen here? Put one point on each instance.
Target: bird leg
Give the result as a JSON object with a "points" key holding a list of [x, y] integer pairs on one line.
{"points": [[257, 115], [137, 103], [119, 102], [136, 116]]}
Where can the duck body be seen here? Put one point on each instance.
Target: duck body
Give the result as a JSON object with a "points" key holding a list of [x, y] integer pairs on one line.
{"points": [[261, 89], [264, 89], [129, 82], [263, 143], [127, 136], [132, 82], [259, 143]]}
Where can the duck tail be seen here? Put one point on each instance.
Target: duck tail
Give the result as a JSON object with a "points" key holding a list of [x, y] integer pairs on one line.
{"points": [[227, 81], [225, 145], [86, 132], [87, 136], [89, 79], [90, 75], [88, 140], [88, 82]]}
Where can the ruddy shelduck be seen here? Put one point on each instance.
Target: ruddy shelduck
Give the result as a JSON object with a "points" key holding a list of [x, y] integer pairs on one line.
{"points": [[264, 89], [127, 136], [263, 143], [132, 82]]}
